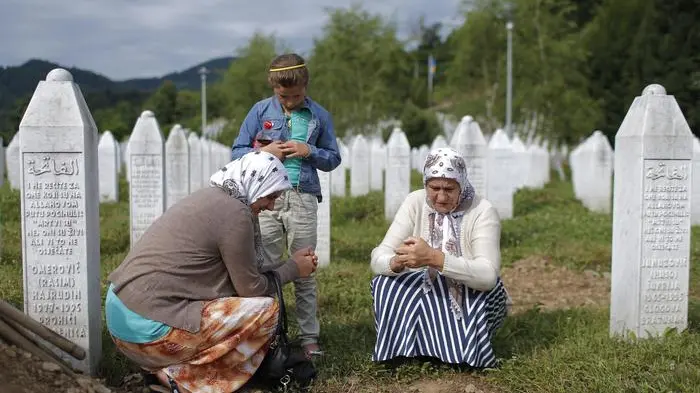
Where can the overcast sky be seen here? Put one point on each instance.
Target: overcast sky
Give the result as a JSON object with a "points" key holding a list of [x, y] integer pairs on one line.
{"points": [[124, 39]]}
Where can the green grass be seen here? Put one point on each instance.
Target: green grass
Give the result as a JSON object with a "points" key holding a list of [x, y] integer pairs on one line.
{"points": [[543, 351]]}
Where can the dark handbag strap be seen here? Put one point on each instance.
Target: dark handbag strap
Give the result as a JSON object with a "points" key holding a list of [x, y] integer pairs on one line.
{"points": [[282, 314]]}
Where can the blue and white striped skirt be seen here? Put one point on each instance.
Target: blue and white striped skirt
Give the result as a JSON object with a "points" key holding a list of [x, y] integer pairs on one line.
{"points": [[413, 322]]}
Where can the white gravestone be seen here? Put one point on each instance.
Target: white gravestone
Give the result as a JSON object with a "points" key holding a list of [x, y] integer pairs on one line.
{"points": [[2, 163], [695, 214], [438, 142], [469, 142], [599, 169], [501, 174], [195, 162], [107, 157], [127, 162], [177, 166], [651, 217], [398, 173], [377, 163], [204, 143], [147, 185], [338, 174], [521, 158], [359, 170], [323, 222], [423, 152], [12, 160], [118, 156], [60, 216], [577, 162]]}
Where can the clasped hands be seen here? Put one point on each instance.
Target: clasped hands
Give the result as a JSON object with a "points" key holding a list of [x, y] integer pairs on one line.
{"points": [[288, 149], [415, 253], [306, 260]]}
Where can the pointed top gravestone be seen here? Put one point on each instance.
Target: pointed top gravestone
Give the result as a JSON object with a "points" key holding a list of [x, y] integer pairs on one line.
{"points": [[60, 216], [177, 166], [651, 218], [501, 173], [147, 170], [470, 143], [438, 142], [359, 171], [108, 157], [195, 145], [398, 173]]}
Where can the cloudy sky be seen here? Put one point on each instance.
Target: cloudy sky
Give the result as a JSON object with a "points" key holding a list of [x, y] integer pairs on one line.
{"points": [[124, 39]]}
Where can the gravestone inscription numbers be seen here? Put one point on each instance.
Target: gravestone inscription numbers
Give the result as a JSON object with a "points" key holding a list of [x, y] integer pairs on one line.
{"points": [[665, 244], [54, 201]]}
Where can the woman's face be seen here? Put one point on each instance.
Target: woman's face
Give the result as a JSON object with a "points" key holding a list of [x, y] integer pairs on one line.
{"points": [[265, 203], [443, 194]]}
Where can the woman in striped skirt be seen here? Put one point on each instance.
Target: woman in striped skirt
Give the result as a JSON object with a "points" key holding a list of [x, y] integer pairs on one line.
{"points": [[437, 290]]}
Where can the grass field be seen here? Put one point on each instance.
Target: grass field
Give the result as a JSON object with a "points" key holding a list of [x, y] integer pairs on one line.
{"points": [[542, 350]]}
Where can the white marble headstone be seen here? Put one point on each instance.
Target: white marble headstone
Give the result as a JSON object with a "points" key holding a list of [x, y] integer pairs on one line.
{"points": [[359, 171], [398, 173], [195, 162], [207, 170], [12, 160], [338, 174], [108, 157], [377, 163], [323, 222], [651, 217], [469, 142], [147, 186], [2, 164], [501, 173], [60, 216], [177, 166]]}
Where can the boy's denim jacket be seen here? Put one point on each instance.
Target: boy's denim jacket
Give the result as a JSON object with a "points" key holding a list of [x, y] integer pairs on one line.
{"points": [[321, 139]]}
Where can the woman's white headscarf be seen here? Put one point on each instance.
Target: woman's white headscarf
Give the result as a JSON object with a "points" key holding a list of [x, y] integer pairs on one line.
{"points": [[255, 175], [445, 229], [251, 177]]}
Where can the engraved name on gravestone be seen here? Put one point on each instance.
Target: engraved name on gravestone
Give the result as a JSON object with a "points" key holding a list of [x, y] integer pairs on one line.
{"points": [[665, 243], [60, 216], [147, 185], [651, 217]]}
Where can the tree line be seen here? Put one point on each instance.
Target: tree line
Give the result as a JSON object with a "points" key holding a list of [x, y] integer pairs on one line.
{"points": [[578, 64]]}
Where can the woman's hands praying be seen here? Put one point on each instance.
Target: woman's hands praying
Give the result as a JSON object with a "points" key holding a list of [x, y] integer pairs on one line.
{"points": [[415, 253]]}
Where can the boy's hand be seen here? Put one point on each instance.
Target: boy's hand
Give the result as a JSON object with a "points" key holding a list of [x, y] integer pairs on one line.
{"points": [[294, 149], [275, 148]]}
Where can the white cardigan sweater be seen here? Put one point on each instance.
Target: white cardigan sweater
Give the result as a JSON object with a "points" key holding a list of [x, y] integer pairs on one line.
{"points": [[478, 268]]}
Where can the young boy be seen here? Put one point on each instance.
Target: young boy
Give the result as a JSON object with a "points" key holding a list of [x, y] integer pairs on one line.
{"points": [[300, 133]]}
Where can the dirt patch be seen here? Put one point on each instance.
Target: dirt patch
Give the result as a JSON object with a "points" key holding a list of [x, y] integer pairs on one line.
{"points": [[535, 281], [457, 383], [21, 372]]}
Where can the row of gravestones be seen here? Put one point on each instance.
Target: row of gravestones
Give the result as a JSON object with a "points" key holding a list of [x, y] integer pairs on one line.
{"points": [[592, 174], [496, 169], [189, 160], [60, 215]]}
